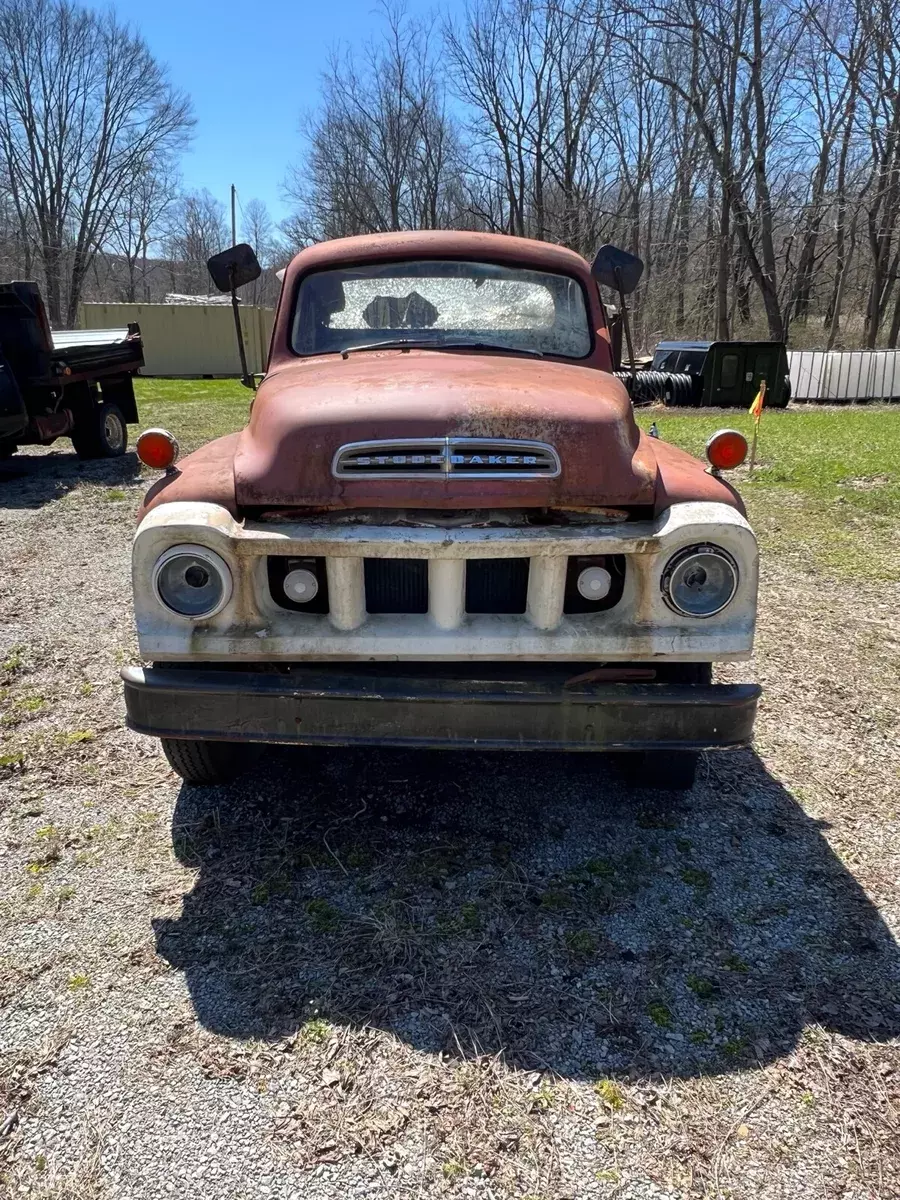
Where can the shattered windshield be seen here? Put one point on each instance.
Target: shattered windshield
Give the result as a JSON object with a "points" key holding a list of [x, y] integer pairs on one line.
{"points": [[441, 303]]}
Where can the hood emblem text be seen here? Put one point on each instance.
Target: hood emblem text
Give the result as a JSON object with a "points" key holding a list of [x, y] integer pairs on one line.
{"points": [[467, 458]]}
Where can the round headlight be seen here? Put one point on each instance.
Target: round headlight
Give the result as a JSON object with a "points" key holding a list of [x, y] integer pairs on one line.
{"points": [[700, 581], [192, 581], [300, 585]]}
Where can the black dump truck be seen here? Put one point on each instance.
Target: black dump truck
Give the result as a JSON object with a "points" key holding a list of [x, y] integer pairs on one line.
{"points": [[77, 384]]}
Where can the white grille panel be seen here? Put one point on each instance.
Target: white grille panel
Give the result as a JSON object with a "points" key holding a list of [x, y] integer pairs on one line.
{"points": [[252, 628], [459, 458]]}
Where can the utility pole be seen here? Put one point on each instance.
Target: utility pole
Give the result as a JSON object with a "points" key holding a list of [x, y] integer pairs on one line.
{"points": [[233, 216]]}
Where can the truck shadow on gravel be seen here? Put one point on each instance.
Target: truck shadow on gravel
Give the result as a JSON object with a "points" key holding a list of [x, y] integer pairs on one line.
{"points": [[529, 906], [33, 480]]}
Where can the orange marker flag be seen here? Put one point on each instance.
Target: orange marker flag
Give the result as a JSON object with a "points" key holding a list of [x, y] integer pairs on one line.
{"points": [[756, 412], [757, 406]]}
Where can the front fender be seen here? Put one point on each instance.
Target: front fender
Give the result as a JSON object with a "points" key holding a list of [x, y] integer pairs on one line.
{"points": [[204, 477]]}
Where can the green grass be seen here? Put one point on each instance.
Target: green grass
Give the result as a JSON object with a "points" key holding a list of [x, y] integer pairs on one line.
{"points": [[660, 1014], [826, 489], [699, 880], [195, 410], [825, 493], [812, 452], [581, 942], [704, 989]]}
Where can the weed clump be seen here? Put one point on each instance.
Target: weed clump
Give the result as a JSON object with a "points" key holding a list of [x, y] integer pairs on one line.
{"points": [[610, 1093]]}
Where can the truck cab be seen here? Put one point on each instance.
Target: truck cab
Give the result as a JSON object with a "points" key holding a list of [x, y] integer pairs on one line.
{"points": [[442, 527]]}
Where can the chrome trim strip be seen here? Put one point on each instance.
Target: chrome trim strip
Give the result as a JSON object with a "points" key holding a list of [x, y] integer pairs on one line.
{"points": [[446, 446]]}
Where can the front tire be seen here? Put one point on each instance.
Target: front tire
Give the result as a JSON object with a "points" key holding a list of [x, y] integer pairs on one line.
{"points": [[101, 432], [662, 770], [668, 770], [202, 763]]}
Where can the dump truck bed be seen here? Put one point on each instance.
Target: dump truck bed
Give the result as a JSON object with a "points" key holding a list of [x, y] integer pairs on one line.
{"points": [[95, 351], [61, 383]]}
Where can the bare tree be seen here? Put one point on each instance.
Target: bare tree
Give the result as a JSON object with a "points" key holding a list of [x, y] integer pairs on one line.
{"points": [[17, 242], [880, 115], [831, 92], [748, 150], [140, 222], [258, 228], [381, 151], [195, 230], [736, 58], [639, 130], [536, 79], [505, 85], [85, 108]]}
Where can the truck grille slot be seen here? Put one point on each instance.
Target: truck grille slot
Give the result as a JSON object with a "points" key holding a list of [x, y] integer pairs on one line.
{"points": [[372, 459], [460, 458], [396, 585], [496, 585]]}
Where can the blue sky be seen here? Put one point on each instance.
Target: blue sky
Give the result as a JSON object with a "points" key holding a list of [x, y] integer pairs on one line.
{"points": [[248, 116]]}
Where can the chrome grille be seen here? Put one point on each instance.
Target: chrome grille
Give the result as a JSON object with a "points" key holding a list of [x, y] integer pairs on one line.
{"points": [[460, 458]]}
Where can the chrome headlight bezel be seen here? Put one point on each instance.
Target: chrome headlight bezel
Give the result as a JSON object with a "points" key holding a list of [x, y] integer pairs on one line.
{"points": [[679, 559], [212, 560]]}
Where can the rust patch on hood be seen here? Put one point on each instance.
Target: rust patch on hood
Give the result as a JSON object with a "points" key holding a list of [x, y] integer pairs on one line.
{"points": [[307, 409]]}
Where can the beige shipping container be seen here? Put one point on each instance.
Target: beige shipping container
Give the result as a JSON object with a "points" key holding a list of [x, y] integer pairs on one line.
{"points": [[189, 340]]}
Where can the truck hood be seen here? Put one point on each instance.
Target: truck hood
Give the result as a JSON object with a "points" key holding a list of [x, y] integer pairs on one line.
{"points": [[304, 412]]}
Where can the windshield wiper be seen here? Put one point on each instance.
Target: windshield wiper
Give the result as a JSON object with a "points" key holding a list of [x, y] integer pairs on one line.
{"points": [[390, 343], [427, 344], [495, 346]]}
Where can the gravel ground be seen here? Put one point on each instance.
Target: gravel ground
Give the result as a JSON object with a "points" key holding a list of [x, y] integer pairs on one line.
{"points": [[406, 974]]}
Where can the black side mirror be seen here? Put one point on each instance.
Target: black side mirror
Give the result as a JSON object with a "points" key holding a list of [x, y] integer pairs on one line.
{"points": [[230, 270], [617, 269], [621, 271], [234, 267]]}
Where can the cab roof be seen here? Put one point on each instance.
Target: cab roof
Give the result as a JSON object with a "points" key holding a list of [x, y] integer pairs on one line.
{"points": [[439, 243]]}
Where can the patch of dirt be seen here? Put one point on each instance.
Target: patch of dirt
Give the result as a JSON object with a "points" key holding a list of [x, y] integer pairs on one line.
{"points": [[866, 483], [390, 973]]}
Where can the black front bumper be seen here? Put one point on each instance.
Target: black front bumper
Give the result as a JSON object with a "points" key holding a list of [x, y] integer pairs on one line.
{"points": [[413, 705]]}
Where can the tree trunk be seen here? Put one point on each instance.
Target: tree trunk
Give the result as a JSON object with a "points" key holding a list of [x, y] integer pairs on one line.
{"points": [[894, 334], [837, 302], [723, 267], [52, 256]]}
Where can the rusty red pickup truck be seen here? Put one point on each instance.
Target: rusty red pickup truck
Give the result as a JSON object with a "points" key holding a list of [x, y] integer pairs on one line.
{"points": [[442, 527]]}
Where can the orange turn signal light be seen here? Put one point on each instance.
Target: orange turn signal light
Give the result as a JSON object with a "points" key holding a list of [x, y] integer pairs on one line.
{"points": [[157, 448], [726, 449]]}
